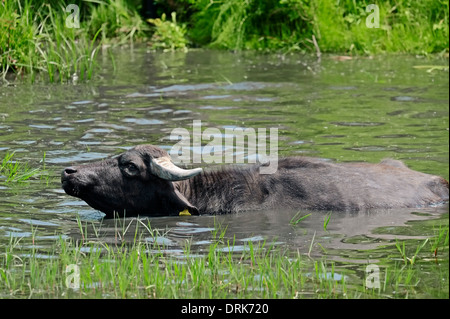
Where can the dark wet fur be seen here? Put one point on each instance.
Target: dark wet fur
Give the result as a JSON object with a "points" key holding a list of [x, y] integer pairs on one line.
{"points": [[299, 183]]}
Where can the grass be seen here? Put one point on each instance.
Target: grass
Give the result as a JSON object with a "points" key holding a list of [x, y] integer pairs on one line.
{"points": [[326, 221], [401, 248], [117, 20], [16, 171], [339, 26], [135, 267], [404, 26], [440, 240], [249, 24], [40, 41], [298, 217], [130, 271]]}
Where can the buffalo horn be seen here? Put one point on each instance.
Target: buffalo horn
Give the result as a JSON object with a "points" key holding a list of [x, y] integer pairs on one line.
{"points": [[165, 169]]}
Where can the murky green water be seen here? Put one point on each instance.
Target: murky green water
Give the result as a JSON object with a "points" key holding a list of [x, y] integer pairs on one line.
{"points": [[356, 110]]}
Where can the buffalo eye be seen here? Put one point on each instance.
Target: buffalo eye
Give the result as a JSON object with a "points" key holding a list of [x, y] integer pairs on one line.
{"points": [[130, 169]]}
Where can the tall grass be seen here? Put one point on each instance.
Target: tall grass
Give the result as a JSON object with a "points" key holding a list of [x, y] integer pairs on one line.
{"points": [[404, 26], [39, 42], [248, 24], [339, 26], [118, 21]]}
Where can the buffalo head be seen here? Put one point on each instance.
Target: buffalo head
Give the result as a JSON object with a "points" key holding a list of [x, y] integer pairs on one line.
{"points": [[139, 181]]}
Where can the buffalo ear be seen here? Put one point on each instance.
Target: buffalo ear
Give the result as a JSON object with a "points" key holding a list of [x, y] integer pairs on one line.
{"points": [[191, 208], [175, 202]]}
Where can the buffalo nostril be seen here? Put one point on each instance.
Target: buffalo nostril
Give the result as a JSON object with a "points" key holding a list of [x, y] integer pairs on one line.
{"points": [[70, 170]]}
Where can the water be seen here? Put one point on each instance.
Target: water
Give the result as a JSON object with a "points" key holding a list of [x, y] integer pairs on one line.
{"points": [[362, 109]]}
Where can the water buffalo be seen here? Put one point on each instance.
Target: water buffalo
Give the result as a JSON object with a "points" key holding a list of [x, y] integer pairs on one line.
{"points": [[144, 181]]}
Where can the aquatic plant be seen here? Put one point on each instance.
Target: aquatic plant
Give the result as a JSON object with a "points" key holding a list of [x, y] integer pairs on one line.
{"points": [[138, 265], [401, 248], [16, 171], [142, 270], [326, 221], [298, 217]]}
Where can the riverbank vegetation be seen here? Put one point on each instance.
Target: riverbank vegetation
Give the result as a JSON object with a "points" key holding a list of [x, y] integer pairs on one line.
{"points": [[59, 40], [337, 26]]}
